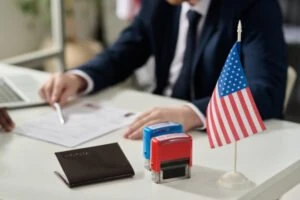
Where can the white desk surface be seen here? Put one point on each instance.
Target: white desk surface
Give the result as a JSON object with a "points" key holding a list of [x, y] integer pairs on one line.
{"points": [[270, 159]]}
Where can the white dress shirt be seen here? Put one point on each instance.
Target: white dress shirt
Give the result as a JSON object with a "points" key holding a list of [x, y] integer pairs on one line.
{"points": [[202, 8]]}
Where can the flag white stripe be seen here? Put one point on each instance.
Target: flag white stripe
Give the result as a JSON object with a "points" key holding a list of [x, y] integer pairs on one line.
{"points": [[216, 121], [242, 114], [233, 118], [251, 111], [212, 133], [224, 119]]}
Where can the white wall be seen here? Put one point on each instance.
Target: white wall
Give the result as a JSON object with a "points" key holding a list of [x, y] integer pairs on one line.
{"points": [[18, 33], [86, 18], [113, 25]]}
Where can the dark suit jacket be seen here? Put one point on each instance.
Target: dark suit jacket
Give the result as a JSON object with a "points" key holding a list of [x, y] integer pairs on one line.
{"points": [[154, 32]]}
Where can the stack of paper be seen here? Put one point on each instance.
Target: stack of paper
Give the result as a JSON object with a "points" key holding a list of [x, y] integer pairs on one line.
{"points": [[84, 122]]}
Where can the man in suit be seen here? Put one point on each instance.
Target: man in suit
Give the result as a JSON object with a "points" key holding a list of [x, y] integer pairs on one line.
{"points": [[190, 40]]}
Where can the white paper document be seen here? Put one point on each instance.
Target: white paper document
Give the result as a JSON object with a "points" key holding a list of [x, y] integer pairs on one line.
{"points": [[84, 122]]}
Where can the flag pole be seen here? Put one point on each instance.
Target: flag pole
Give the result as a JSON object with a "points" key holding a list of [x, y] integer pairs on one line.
{"points": [[235, 157], [239, 39], [235, 180]]}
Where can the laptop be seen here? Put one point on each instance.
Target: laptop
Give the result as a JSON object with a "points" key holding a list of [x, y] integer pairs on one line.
{"points": [[19, 91]]}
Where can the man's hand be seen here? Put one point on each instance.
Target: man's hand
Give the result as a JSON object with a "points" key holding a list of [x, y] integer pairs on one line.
{"points": [[183, 115], [6, 122], [60, 87]]}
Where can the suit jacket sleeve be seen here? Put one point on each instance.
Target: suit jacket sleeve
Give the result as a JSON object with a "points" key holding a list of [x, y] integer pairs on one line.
{"points": [[118, 62], [264, 58]]}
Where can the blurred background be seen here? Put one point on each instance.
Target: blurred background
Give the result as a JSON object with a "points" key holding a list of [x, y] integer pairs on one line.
{"points": [[33, 28]]}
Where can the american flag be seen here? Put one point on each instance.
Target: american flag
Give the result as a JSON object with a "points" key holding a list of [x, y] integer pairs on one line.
{"points": [[231, 112]]}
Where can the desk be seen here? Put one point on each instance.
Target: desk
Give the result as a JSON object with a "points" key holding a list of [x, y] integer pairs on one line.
{"points": [[294, 193], [270, 159]]}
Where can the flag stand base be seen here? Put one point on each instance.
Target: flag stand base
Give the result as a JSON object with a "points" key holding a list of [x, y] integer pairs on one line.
{"points": [[235, 181]]}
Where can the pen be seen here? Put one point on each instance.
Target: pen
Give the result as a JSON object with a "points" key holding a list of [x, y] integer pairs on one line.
{"points": [[59, 113]]}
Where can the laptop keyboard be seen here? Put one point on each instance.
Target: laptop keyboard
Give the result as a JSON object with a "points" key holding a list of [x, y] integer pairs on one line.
{"points": [[8, 95]]}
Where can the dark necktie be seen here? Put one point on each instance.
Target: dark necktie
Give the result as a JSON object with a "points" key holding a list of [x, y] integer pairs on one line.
{"points": [[182, 87]]}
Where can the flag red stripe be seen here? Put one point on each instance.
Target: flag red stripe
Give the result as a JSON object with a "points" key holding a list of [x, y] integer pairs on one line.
{"points": [[222, 126], [262, 125], [246, 111], [214, 127], [208, 128], [238, 116], [233, 130]]}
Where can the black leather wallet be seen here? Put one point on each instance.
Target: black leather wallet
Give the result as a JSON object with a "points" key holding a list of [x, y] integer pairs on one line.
{"points": [[94, 164]]}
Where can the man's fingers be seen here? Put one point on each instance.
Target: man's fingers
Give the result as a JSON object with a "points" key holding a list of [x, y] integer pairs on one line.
{"points": [[67, 92], [153, 114], [42, 93], [3, 122], [8, 119], [58, 87], [48, 87], [143, 115], [138, 134], [54, 89], [140, 122]]}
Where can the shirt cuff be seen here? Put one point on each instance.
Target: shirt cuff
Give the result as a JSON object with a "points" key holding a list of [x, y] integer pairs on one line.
{"points": [[86, 77], [199, 114]]}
